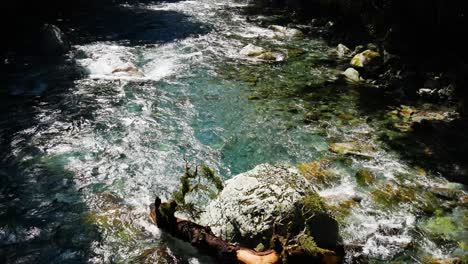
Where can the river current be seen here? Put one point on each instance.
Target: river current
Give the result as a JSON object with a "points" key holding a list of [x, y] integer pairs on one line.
{"points": [[87, 145]]}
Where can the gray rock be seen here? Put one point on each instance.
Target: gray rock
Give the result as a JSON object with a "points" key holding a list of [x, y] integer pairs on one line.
{"points": [[426, 92], [285, 32], [253, 201], [342, 50], [352, 76], [251, 50], [52, 41]]}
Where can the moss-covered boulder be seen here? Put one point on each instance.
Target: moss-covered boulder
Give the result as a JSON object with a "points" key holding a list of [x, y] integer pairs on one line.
{"points": [[253, 202], [367, 60]]}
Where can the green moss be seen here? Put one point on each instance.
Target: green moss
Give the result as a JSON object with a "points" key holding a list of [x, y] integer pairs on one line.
{"points": [[308, 243], [253, 97], [317, 172], [311, 116], [345, 116], [268, 56], [342, 210], [210, 175], [442, 227], [389, 196], [313, 202], [364, 177], [295, 52]]}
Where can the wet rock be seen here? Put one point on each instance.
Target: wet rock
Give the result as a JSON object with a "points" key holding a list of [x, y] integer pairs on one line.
{"points": [[447, 193], [440, 227], [426, 92], [130, 71], [365, 59], [253, 201], [295, 52], [156, 255], [351, 148], [318, 172], [310, 117], [352, 76], [342, 50], [358, 49], [364, 177], [53, 41], [389, 195], [285, 32], [373, 47], [251, 50], [270, 56]]}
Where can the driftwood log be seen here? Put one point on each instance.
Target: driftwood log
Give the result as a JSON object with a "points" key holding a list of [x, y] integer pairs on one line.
{"points": [[204, 240]]}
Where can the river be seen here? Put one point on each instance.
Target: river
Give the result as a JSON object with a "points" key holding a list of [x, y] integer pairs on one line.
{"points": [[86, 148]]}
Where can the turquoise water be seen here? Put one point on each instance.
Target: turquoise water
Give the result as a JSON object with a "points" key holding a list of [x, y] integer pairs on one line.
{"points": [[85, 150]]}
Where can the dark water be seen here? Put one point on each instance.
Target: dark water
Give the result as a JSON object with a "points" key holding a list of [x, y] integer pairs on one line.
{"points": [[84, 150]]}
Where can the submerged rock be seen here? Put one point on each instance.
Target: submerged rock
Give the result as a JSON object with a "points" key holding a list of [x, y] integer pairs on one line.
{"points": [[364, 177], [252, 50], [365, 59], [260, 53], [130, 70], [252, 202], [53, 41]]}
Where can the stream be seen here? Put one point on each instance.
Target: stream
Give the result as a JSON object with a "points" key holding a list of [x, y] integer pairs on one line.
{"points": [[87, 145]]}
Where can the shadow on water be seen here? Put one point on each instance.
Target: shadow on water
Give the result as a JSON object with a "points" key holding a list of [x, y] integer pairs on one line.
{"points": [[134, 26], [42, 211]]}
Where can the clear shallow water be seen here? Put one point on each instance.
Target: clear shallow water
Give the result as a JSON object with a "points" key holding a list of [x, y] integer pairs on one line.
{"points": [[86, 149]]}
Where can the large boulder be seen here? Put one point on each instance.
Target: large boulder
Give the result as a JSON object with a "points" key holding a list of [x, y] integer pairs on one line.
{"points": [[252, 202], [366, 59], [53, 41]]}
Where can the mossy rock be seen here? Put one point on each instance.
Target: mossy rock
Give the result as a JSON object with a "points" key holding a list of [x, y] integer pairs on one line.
{"points": [[365, 177], [365, 58], [267, 56], [342, 210], [318, 172], [295, 52], [441, 227], [389, 195], [346, 116], [343, 148], [253, 97], [310, 117]]}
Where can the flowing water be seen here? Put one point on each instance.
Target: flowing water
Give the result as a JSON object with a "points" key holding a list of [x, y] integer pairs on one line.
{"points": [[86, 148]]}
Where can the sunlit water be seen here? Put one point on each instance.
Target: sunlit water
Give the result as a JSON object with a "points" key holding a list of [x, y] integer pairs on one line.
{"points": [[86, 152]]}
